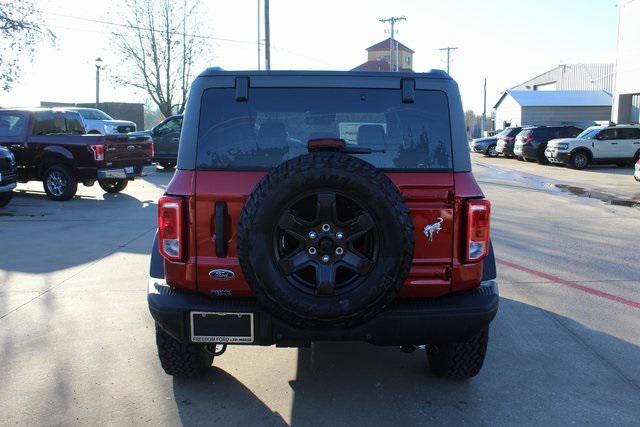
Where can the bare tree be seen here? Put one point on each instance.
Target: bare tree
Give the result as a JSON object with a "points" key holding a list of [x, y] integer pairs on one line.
{"points": [[160, 47], [21, 28]]}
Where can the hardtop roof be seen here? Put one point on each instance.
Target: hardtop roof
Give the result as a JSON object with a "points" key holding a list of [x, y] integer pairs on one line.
{"points": [[432, 74]]}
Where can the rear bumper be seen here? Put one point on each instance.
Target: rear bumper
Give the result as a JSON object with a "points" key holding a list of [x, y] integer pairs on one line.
{"points": [[526, 151], [505, 148], [404, 322], [129, 172]]}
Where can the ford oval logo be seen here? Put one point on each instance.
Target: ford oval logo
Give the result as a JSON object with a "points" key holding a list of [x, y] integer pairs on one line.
{"points": [[221, 274], [131, 147]]}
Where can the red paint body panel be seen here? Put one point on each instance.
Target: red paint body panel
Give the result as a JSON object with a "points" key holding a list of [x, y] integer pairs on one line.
{"points": [[436, 270]]}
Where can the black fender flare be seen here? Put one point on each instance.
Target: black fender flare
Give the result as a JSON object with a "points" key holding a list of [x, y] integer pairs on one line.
{"points": [[489, 265], [156, 265]]}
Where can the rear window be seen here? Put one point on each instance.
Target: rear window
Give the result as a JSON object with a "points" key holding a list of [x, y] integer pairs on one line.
{"points": [[11, 124], [51, 123], [513, 131], [276, 124]]}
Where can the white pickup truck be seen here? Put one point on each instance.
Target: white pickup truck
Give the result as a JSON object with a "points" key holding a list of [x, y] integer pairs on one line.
{"points": [[615, 144], [98, 122]]}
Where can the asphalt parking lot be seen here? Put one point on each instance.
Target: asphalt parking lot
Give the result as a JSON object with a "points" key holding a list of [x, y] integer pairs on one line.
{"points": [[77, 342]]}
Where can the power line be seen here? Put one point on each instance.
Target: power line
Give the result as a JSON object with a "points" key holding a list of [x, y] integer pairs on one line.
{"points": [[449, 50], [136, 27], [201, 36], [393, 45]]}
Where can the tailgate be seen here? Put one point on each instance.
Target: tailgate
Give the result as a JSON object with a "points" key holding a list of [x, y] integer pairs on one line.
{"points": [[127, 150]]}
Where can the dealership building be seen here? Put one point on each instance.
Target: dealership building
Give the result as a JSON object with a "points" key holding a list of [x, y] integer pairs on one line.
{"points": [[626, 97]]}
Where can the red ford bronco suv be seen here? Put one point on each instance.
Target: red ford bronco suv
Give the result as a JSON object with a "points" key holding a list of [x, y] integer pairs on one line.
{"points": [[323, 206]]}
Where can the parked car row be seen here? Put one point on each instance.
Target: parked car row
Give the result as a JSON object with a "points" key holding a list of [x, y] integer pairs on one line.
{"points": [[166, 138], [565, 145], [52, 146]]}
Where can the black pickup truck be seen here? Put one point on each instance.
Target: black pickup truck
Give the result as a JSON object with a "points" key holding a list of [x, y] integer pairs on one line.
{"points": [[50, 145]]}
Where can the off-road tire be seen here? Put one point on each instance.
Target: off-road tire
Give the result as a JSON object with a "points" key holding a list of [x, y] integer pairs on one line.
{"points": [[325, 170], [113, 185], [575, 161], [181, 360], [63, 172], [5, 198], [458, 360]]}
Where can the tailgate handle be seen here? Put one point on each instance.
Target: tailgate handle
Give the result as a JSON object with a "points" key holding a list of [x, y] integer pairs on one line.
{"points": [[220, 220]]}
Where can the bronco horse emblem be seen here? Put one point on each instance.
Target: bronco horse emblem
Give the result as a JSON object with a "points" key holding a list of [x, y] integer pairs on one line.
{"points": [[433, 229]]}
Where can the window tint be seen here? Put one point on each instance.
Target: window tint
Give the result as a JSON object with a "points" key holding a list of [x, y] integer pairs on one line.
{"points": [[608, 134], [629, 133], [276, 124], [543, 132], [11, 124], [170, 126], [514, 131], [49, 122]]}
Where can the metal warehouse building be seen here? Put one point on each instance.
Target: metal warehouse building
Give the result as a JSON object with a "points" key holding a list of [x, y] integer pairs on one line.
{"points": [[578, 94], [580, 108], [626, 99], [573, 77]]}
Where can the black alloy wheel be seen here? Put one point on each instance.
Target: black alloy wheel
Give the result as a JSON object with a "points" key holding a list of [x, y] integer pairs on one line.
{"points": [[325, 243]]}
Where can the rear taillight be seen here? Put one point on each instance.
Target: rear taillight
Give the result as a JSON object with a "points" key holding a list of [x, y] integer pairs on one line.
{"points": [[527, 138], [153, 150], [98, 152], [170, 232], [477, 245]]}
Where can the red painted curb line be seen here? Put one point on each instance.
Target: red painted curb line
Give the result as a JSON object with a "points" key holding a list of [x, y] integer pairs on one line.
{"points": [[573, 285]]}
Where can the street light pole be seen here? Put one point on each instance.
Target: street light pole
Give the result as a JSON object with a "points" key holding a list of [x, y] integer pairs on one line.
{"points": [[98, 66], [267, 36]]}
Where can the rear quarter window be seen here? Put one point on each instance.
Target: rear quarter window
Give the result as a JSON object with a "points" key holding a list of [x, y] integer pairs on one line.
{"points": [[275, 124], [49, 122], [11, 124]]}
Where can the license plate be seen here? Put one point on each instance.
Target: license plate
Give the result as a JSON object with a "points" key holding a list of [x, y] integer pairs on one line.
{"points": [[217, 327], [128, 169]]}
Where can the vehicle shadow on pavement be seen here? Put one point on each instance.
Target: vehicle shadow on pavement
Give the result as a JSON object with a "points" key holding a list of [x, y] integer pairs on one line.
{"points": [[541, 368], [219, 398], [47, 236]]}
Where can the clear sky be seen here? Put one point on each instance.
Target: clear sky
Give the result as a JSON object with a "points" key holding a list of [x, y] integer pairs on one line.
{"points": [[506, 41]]}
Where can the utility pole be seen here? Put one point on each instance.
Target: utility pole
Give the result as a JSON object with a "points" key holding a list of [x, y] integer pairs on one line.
{"points": [[259, 34], [392, 43], [98, 63], [449, 49], [484, 111], [267, 36]]}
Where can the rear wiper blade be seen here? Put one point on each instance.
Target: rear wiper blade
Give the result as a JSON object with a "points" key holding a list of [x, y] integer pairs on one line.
{"points": [[361, 150], [340, 145]]}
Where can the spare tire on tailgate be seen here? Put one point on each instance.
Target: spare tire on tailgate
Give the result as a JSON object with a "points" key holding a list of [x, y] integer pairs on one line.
{"points": [[325, 240]]}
